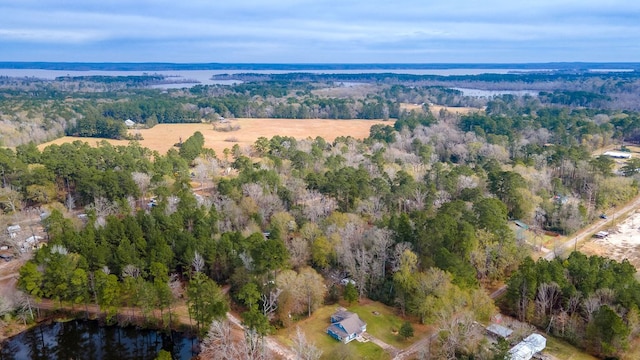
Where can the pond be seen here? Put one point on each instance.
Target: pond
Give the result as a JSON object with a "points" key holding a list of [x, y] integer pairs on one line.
{"points": [[88, 340]]}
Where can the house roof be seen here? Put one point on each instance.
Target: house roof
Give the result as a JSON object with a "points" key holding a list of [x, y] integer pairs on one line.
{"points": [[351, 322], [499, 330], [617, 154], [528, 347], [334, 328]]}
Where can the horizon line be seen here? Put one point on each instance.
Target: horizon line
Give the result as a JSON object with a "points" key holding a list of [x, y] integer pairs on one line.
{"points": [[141, 66]]}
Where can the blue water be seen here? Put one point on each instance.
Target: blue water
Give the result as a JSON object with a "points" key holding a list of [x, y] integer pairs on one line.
{"points": [[81, 340]]}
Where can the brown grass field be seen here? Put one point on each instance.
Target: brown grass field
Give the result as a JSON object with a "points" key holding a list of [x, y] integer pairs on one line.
{"points": [[163, 136], [435, 109]]}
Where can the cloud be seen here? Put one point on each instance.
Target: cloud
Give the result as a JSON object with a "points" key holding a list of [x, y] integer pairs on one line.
{"points": [[320, 30]]}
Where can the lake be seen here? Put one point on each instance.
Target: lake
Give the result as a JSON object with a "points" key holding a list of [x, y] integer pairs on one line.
{"points": [[79, 339], [490, 93]]}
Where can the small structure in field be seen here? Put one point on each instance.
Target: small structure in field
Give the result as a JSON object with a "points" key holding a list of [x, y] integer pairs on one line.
{"points": [[130, 123], [346, 326], [601, 234], [499, 331], [617, 154]]}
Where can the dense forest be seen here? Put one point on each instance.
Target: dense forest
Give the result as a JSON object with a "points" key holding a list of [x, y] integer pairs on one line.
{"points": [[417, 215]]}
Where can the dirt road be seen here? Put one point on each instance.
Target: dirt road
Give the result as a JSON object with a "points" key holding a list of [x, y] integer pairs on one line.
{"points": [[580, 236]]}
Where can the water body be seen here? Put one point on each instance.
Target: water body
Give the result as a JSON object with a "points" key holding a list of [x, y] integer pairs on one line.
{"points": [[490, 93], [82, 340], [204, 76]]}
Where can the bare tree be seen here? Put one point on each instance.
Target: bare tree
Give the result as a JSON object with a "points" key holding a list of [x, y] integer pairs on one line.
{"points": [[270, 302], [172, 205], [142, 180], [458, 335], [303, 349], [102, 208], [197, 262], [131, 271], [219, 343], [70, 202], [299, 251], [548, 295], [10, 199], [253, 346], [591, 305], [398, 250], [380, 242]]}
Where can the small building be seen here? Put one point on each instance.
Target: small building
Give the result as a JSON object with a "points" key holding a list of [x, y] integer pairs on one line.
{"points": [[617, 154], [13, 230], [31, 243], [346, 281], [527, 348], [601, 234], [499, 331], [130, 123], [346, 326]]}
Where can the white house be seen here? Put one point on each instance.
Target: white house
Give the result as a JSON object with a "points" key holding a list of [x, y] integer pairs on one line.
{"points": [[528, 347], [129, 123], [617, 154]]}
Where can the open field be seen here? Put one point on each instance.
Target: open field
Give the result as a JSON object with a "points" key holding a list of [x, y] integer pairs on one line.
{"points": [[622, 243], [634, 150], [163, 136], [435, 109], [383, 323], [561, 350]]}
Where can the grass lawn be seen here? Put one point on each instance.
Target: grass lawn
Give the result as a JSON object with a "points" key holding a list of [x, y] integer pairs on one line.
{"points": [[381, 323], [564, 351], [314, 329]]}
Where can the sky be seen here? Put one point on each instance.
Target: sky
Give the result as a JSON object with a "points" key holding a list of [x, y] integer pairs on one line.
{"points": [[331, 31]]}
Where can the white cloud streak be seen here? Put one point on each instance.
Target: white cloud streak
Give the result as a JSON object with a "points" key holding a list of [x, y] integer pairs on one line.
{"points": [[295, 30]]}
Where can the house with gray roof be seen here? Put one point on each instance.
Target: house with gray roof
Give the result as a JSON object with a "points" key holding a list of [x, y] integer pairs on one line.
{"points": [[346, 326], [499, 331], [528, 348]]}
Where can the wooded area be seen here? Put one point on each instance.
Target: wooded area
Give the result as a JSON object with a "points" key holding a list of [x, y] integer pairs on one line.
{"points": [[416, 216]]}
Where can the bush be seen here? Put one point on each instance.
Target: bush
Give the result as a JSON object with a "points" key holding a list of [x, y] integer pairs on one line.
{"points": [[406, 330]]}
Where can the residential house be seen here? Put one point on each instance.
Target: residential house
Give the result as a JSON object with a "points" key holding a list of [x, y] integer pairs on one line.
{"points": [[346, 326], [527, 348]]}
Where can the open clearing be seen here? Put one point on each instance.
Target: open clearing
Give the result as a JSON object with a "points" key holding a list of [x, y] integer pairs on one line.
{"points": [[622, 243], [435, 109], [382, 322], [163, 136]]}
